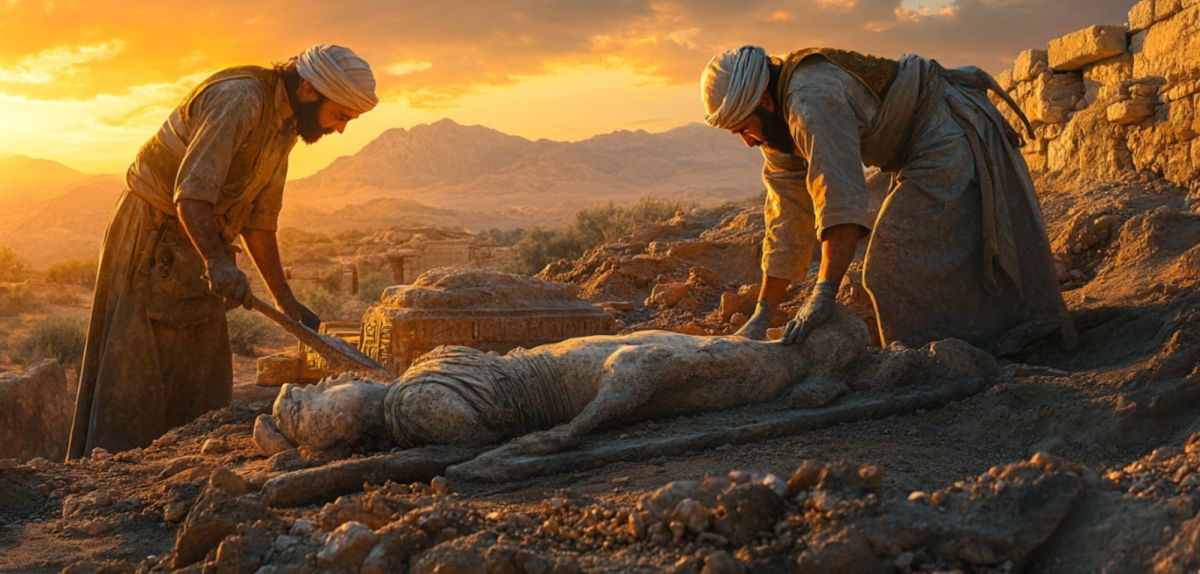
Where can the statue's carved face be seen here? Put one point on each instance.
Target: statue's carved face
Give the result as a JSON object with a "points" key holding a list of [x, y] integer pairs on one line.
{"points": [[333, 412]]}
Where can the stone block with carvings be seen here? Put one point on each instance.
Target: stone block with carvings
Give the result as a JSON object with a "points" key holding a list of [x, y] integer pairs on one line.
{"points": [[487, 310]]}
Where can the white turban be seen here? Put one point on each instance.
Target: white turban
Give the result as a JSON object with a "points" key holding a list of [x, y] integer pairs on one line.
{"points": [[340, 75], [732, 85]]}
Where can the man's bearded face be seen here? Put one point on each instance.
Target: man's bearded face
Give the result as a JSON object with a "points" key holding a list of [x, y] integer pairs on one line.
{"points": [[308, 120], [775, 131]]}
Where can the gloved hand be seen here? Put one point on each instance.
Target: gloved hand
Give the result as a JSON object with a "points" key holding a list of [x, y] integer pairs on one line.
{"points": [[226, 280], [816, 310], [298, 311], [756, 327]]}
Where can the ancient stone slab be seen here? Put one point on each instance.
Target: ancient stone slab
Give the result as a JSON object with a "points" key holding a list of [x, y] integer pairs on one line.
{"points": [[1164, 9], [1029, 64], [1170, 48], [1053, 97], [1102, 80], [1129, 111], [313, 367], [486, 310], [36, 406], [1141, 15], [1091, 44], [275, 370]]}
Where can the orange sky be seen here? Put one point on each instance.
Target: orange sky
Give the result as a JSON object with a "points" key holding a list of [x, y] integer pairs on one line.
{"points": [[86, 82]]}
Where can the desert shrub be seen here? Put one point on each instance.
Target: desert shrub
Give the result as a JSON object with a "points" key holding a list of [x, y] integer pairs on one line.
{"points": [[371, 286], [591, 227], [16, 299], [59, 338], [12, 267], [61, 297], [541, 246], [331, 280], [248, 330], [80, 272]]}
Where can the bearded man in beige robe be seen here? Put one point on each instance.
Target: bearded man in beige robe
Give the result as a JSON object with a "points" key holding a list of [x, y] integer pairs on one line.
{"points": [[959, 248], [157, 352]]}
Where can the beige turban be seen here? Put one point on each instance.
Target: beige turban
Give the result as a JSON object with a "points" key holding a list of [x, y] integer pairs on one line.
{"points": [[340, 75], [732, 85]]}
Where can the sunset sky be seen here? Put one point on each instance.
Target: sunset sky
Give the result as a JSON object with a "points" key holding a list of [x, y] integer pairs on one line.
{"points": [[85, 83]]}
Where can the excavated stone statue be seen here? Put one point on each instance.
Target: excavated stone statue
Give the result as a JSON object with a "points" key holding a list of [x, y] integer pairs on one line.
{"points": [[550, 396]]}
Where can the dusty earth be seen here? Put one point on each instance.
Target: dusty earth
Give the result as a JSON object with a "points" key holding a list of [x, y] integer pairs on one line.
{"points": [[1077, 460]]}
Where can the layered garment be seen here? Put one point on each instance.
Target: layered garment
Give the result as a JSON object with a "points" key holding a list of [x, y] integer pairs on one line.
{"points": [[157, 353], [959, 248]]}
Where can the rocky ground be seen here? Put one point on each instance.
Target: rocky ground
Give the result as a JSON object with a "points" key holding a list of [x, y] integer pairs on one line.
{"points": [[1076, 460]]}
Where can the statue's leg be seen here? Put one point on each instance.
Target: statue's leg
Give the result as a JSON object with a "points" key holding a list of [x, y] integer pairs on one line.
{"points": [[631, 376]]}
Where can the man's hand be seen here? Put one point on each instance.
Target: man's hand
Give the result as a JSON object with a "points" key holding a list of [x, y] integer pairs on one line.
{"points": [[816, 310], [756, 327], [226, 280], [299, 312]]}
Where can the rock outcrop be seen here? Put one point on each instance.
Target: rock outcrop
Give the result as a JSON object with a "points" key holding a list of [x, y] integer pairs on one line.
{"points": [[1107, 102]]}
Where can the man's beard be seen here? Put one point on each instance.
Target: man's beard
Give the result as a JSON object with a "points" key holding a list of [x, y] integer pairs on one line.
{"points": [[308, 124], [775, 131]]}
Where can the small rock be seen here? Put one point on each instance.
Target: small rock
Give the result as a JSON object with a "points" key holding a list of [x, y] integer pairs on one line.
{"points": [[871, 476], [267, 437], [99, 453], [286, 460], [439, 486], [346, 547], [224, 479], [805, 477], [214, 446], [692, 514], [175, 511], [722, 562]]}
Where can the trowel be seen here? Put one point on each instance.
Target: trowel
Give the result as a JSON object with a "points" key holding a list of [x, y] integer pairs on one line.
{"points": [[340, 356]]}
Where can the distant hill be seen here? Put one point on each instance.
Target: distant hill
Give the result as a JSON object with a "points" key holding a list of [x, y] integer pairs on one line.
{"points": [[491, 179], [50, 212], [441, 174]]}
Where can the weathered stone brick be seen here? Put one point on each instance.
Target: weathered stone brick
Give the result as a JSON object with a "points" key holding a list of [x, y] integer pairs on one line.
{"points": [[1129, 111], [1053, 97], [1171, 48], [1091, 44], [1164, 9], [1028, 65], [1102, 80], [1141, 15]]}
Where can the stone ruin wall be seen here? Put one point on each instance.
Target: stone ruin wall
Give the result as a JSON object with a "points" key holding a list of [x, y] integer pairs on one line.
{"points": [[1110, 101]]}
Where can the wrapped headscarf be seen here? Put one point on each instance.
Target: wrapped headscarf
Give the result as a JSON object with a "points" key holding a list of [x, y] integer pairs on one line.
{"points": [[340, 75], [732, 85]]}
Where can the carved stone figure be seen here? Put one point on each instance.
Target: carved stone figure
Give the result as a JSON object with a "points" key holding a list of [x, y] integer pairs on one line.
{"points": [[550, 396]]}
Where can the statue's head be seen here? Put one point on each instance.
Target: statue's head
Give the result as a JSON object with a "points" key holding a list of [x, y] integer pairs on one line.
{"points": [[338, 411]]}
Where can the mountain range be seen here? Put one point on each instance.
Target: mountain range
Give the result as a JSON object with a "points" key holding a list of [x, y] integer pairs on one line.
{"points": [[484, 178], [443, 174]]}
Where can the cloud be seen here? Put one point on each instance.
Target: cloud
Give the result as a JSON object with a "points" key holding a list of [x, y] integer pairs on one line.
{"points": [[46, 65]]}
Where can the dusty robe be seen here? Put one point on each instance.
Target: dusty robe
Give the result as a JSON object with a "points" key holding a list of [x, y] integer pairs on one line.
{"points": [[157, 352], [959, 248]]}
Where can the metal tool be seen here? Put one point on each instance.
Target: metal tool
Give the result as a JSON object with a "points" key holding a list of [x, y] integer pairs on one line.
{"points": [[340, 356]]}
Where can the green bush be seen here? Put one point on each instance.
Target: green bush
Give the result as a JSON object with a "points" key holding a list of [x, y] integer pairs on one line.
{"points": [[16, 299], [80, 272], [58, 338], [331, 280], [12, 267], [591, 227], [248, 330], [371, 286]]}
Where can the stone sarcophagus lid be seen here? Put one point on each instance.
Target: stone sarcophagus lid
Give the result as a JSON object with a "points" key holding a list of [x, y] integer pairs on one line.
{"points": [[487, 310]]}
